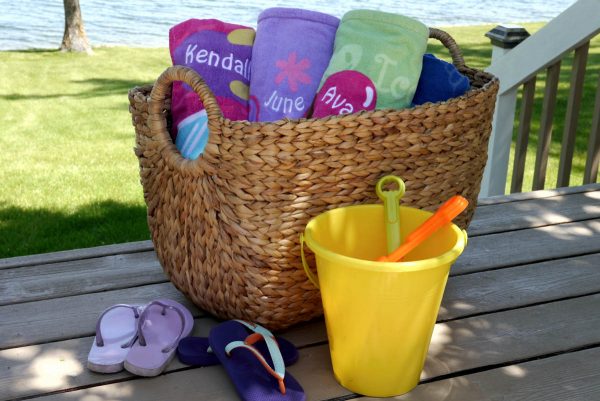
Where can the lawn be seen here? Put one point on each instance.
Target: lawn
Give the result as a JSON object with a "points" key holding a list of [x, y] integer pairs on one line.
{"points": [[69, 176]]}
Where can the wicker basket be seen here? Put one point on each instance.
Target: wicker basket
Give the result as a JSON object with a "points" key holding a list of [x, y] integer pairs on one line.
{"points": [[225, 226]]}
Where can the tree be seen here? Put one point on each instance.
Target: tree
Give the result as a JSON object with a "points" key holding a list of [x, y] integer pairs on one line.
{"points": [[74, 38]]}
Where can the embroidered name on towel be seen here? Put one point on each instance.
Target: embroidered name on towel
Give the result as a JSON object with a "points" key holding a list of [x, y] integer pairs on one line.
{"points": [[289, 104], [214, 59], [345, 92]]}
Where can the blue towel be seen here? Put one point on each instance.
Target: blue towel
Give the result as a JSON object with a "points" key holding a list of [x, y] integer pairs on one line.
{"points": [[439, 81]]}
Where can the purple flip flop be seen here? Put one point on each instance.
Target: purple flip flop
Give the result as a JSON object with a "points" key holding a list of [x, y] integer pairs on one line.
{"points": [[116, 330], [160, 327], [195, 351], [256, 376]]}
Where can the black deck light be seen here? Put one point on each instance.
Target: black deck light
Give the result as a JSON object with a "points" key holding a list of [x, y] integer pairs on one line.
{"points": [[507, 36]]}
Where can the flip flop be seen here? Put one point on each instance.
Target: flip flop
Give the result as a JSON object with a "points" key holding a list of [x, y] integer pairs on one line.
{"points": [[116, 331], [196, 351], [161, 325], [256, 376]]}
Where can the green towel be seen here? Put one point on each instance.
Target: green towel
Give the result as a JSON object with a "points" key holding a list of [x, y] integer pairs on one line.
{"points": [[387, 48]]}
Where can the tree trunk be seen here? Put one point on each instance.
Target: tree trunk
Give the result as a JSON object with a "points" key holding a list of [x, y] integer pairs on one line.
{"points": [[74, 38]]}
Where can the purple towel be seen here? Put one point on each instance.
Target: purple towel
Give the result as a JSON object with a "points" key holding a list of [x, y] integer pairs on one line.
{"points": [[220, 53], [291, 52]]}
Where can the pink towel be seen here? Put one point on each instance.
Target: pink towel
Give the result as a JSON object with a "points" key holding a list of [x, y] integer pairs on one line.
{"points": [[345, 92], [220, 53]]}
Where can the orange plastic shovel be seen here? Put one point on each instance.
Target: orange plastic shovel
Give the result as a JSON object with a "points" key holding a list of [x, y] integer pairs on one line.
{"points": [[444, 215]]}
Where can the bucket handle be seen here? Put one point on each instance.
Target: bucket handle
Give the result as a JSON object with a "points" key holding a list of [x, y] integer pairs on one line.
{"points": [[307, 270]]}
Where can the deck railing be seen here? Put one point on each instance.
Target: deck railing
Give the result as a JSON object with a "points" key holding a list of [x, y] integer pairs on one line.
{"points": [[544, 51]]}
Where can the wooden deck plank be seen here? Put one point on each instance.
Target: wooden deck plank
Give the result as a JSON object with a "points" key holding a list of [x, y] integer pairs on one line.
{"points": [[71, 317], [33, 283], [465, 295], [56, 366], [529, 246], [456, 346], [461, 298], [535, 213], [75, 254], [546, 379], [60, 365], [470, 294], [517, 334], [459, 345], [547, 193], [208, 383], [518, 286]]}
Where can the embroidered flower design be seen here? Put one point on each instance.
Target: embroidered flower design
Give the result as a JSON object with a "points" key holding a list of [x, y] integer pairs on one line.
{"points": [[293, 71]]}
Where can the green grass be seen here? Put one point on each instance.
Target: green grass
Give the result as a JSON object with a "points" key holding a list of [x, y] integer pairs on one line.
{"points": [[69, 177]]}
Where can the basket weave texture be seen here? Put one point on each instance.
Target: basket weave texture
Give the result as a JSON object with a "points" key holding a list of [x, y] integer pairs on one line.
{"points": [[226, 225]]}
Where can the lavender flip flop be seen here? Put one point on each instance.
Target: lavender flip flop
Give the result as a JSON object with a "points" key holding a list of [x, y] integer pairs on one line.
{"points": [[256, 376], [161, 325], [116, 331], [196, 351]]}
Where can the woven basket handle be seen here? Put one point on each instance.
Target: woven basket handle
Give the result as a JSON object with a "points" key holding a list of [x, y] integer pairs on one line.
{"points": [[162, 88], [450, 44]]}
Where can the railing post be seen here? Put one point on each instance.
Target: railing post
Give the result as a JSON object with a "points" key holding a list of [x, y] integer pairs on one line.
{"points": [[504, 38], [593, 157]]}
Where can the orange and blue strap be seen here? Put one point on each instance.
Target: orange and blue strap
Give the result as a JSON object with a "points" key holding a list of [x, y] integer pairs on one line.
{"points": [[278, 368]]}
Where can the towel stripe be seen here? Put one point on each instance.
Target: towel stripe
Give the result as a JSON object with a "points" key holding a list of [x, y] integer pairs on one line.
{"points": [[193, 135], [197, 138], [189, 138]]}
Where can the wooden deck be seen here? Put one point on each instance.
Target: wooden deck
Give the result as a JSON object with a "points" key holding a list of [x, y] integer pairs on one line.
{"points": [[520, 319]]}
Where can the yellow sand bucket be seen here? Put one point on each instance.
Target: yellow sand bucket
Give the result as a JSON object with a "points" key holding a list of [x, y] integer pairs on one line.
{"points": [[379, 316]]}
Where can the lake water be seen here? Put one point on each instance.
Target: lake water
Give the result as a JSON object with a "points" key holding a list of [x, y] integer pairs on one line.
{"points": [[28, 24]]}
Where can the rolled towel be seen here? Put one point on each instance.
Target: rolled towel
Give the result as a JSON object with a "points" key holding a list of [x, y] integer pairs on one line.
{"points": [[290, 54], [387, 48], [439, 81], [345, 92], [220, 52]]}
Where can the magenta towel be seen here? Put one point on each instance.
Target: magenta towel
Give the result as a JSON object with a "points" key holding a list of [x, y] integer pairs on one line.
{"points": [[290, 55], [345, 92], [220, 52]]}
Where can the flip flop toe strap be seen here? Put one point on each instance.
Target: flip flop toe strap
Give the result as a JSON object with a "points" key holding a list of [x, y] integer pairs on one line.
{"points": [[260, 333], [100, 339], [143, 317], [278, 368]]}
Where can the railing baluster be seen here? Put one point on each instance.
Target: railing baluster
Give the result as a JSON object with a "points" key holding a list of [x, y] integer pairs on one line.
{"points": [[572, 115], [593, 157], [545, 135], [516, 183]]}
